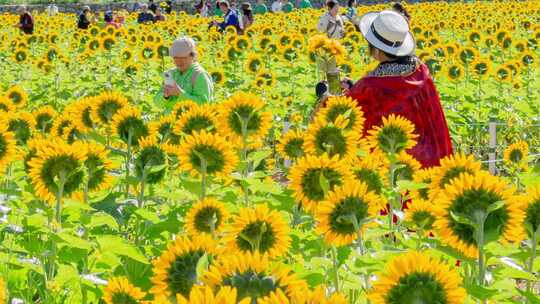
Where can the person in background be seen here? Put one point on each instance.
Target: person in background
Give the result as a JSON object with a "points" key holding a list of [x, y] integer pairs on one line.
{"points": [[331, 23], [260, 8], [26, 21], [286, 6], [159, 16], [276, 6], [109, 19], [52, 9], [305, 4], [152, 6], [120, 19], [398, 7], [168, 9], [202, 8], [145, 16], [351, 10], [217, 11], [230, 16], [191, 81], [84, 18], [247, 16]]}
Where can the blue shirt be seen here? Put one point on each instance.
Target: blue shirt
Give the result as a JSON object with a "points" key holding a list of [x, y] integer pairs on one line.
{"points": [[231, 19]]}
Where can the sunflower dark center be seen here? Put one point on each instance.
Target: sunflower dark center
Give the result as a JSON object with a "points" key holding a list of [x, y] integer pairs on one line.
{"points": [[3, 146], [243, 113], [470, 202], [167, 134], [197, 123], [215, 160], [311, 182], [294, 148], [392, 139], [86, 119], [44, 121], [96, 172], [207, 217], [149, 157], [21, 129], [341, 217], [183, 272], [15, 97], [252, 284], [331, 140], [133, 125], [417, 288], [60, 129], [453, 173], [532, 215], [516, 156], [54, 167], [107, 109], [371, 178], [404, 173], [4, 107], [337, 110], [123, 298], [256, 234]]}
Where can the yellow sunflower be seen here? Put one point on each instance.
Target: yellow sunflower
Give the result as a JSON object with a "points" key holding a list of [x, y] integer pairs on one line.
{"points": [[451, 167], [218, 154], [371, 170], [423, 176], [313, 177], [44, 117], [254, 63], [415, 277], [60, 125], [531, 207], [408, 166], [128, 125], [516, 155], [395, 135], [345, 106], [253, 276], [291, 145], [4, 292], [120, 291], [243, 113], [21, 124], [469, 194], [197, 119], [207, 216], [55, 162], [420, 214], [106, 105], [206, 295], [175, 271], [346, 212], [258, 230], [8, 150], [150, 155], [182, 107], [82, 114], [333, 138], [164, 129], [18, 96], [97, 165], [6, 105]]}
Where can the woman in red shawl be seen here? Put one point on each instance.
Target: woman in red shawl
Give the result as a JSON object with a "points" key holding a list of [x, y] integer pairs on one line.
{"points": [[401, 85]]}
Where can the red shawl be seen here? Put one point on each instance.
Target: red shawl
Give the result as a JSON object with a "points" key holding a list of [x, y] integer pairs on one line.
{"points": [[412, 95]]}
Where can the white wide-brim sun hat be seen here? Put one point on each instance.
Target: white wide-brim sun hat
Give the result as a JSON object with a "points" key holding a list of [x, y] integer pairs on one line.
{"points": [[388, 31]]}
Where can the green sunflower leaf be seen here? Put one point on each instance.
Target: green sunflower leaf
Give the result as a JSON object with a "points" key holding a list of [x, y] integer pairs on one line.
{"points": [[155, 169], [119, 246], [202, 265], [479, 292], [533, 299], [323, 182], [462, 219], [495, 206]]}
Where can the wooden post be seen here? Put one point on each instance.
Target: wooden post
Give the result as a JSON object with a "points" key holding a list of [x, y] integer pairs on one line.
{"points": [[492, 147]]}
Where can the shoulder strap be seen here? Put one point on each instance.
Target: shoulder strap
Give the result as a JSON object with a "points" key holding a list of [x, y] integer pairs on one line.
{"points": [[196, 72]]}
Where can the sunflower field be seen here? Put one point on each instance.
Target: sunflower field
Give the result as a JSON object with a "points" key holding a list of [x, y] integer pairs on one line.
{"points": [[107, 198]]}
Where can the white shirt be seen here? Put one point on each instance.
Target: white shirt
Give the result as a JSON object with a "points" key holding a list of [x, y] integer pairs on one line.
{"points": [[276, 6], [333, 26]]}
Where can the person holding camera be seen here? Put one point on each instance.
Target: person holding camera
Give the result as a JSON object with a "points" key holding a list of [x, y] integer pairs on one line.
{"points": [[188, 80], [400, 85]]}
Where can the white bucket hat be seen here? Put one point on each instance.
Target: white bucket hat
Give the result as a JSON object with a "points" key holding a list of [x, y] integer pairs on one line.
{"points": [[183, 46], [388, 31]]}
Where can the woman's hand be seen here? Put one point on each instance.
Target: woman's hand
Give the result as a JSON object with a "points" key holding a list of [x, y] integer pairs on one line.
{"points": [[172, 90]]}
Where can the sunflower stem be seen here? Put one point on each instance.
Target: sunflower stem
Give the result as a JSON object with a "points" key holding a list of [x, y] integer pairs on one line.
{"points": [[481, 219], [58, 217], [333, 251], [530, 265], [128, 160], [204, 165], [140, 200]]}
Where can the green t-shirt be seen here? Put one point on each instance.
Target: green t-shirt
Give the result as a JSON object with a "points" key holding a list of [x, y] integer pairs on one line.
{"points": [[218, 12], [196, 84], [287, 8], [260, 9], [305, 4]]}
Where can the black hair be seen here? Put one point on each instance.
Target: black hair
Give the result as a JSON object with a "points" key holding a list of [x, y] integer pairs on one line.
{"points": [[331, 3], [108, 17], [398, 7], [350, 3]]}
